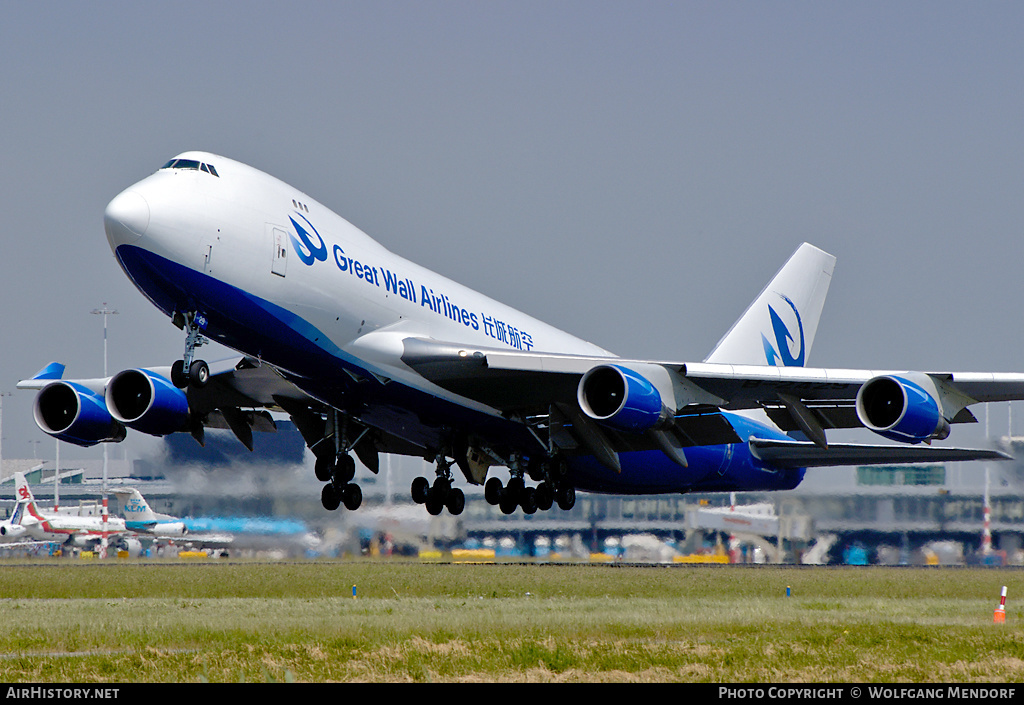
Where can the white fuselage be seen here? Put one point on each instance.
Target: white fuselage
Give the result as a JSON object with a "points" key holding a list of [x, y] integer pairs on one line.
{"points": [[354, 298]]}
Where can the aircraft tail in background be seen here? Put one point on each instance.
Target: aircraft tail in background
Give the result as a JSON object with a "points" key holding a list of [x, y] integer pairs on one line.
{"points": [[138, 516], [22, 491]]}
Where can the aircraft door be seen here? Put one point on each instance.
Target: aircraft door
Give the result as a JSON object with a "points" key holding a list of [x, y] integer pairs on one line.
{"points": [[279, 238]]}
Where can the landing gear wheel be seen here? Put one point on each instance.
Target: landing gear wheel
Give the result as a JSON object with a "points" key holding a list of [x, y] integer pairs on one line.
{"points": [[435, 503], [566, 498], [198, 374], [492, 491], [352, 496], [330, 497], [508, 504], [528, 500], [441, 488], [178, 378], [345, 470], [420, 490], [323, 469], [455, 502], [514, 489], [545, 496]]}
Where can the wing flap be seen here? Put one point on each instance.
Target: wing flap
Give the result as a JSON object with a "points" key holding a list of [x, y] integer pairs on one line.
{"points": [[803, 454]]}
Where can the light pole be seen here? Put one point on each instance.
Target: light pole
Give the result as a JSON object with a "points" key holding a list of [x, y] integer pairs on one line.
{"points": [[2, 395], [105, 312], [56, 477]]}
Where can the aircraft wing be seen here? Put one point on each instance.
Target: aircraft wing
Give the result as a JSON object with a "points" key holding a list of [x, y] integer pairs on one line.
{"points": [[486, 375], [810, 400], [237, 396]]}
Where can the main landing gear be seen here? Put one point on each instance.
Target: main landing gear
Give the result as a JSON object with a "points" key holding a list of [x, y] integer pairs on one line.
{"points": [[441, 494], [339, 488], [553, 489], [189, 371], [336, 467]]}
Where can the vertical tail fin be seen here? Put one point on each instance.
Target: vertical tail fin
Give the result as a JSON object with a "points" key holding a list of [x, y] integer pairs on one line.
{"points": [[779, 327], [134, 506], [17, 514], [23, 495], [22, 492]]}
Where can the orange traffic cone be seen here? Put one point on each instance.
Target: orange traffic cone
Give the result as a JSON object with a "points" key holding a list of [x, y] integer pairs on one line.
{"points": [[1000, 614]]}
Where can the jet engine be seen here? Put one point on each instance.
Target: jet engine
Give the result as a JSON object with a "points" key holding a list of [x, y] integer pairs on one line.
{"points": [[73, 413], [901, 410], [169, 528], [131, 545], [147, 402], [621, 398], [11, 531]]}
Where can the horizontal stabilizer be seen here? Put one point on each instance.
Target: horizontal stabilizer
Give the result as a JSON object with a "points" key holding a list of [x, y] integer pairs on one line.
{"points": [[804, 454]]}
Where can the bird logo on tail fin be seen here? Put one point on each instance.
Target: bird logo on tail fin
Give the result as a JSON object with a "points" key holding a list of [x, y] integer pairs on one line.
{"points": [[780, 351]]}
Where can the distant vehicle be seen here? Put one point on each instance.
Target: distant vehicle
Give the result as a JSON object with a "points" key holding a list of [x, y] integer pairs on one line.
{"points": [[855, 554]]}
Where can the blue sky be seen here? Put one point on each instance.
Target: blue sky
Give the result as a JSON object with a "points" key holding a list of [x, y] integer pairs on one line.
{"points": [[631, 172]]}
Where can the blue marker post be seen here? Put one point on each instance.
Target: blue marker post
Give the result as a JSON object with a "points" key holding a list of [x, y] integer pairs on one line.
{"points": [[787, 591], [353, 592]]}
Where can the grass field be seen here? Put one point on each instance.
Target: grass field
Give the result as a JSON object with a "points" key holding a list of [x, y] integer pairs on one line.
{"points": [[237, 621]]}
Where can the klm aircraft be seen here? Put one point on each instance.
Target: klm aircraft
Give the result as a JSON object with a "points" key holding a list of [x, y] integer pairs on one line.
{"points": [[369, 353]]}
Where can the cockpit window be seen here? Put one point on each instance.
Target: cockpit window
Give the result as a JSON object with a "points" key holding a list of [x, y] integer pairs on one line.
{"points": [[190, 164]]}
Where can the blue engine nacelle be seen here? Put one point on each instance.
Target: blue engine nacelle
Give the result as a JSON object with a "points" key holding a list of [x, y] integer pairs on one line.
{"points": [[621, 398], [147, 402], [76, 414], [901, 410]]}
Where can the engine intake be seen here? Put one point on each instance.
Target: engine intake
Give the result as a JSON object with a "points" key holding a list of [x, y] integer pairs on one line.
{"points": [[621, 398], [147, 402], [901, 410], [76, 414]]}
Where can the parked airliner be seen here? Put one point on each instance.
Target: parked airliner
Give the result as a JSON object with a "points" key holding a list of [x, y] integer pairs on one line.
{"points": [[30, 521], [243, 533], [370, 353]]}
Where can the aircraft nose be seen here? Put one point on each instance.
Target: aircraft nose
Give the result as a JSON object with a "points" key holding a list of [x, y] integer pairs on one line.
{"points": [[126, 218]]}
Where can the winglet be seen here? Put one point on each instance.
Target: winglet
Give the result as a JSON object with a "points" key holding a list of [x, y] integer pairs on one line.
{"points": [[779, 327], [43, 377], [54, 370]]}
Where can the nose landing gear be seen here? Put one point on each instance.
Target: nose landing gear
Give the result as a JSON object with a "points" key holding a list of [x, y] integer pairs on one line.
{"points": [[188, 371]]}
